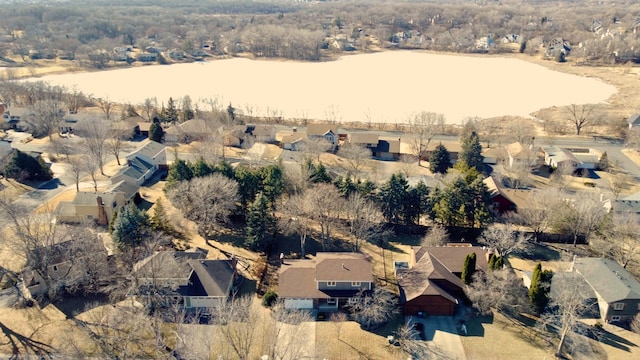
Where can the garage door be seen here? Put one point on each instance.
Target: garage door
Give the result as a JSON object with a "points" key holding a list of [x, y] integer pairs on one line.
{"points": [[298, 303]]}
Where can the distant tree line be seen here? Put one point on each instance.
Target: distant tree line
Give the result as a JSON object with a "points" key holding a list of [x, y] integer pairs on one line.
{"points": [[90, 33]]}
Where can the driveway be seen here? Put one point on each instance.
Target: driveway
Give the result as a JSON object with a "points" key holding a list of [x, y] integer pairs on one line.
{"points": [[443, 338]]}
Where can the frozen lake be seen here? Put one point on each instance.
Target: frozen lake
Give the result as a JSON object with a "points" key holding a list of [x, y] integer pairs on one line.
{"points": [[383, 87]]}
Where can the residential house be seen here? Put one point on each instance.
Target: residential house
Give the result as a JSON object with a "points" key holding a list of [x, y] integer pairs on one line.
{"points": [[147, 57], [328, 132], [453, 147], [235, 137], [556, 157], [70, 263], [190, 130], [617, 291], [90, 206], [143, 128], [187, 278], [431, 285], [143, 163], [492, 155], [294, 141], [501, 201], [627, 204], [326, 282], [387, 149], [367, 140], [518, 154], [510, 39], [558, 45], [485, 43], [262, 133], [633, 121], [13, 116]]}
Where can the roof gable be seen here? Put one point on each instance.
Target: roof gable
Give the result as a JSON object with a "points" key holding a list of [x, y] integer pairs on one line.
{"points": [[215, 276], [321, 129], [343, 267]]}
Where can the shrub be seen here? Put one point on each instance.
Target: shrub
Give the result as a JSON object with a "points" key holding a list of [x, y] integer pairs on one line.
{"points": [[269, 298]]}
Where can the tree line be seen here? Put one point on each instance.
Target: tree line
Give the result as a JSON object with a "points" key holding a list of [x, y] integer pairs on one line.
{"points": [[89, 33]]}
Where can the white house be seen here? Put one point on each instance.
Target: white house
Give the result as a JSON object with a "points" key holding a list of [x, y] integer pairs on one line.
{"points": [[143, 163]]}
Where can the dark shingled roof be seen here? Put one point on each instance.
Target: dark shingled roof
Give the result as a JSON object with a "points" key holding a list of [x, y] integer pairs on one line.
{"points": [[215, 277], [422, 278], [453, 256], [608, 279]]}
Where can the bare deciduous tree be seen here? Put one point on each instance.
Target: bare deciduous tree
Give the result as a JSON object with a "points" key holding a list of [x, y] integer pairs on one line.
{"points": [[46, 117], [580, 116], [107, 106], [296, 219], [325, 204], [538, 212], [567, 304], [437, 235], [282, 341], [501, 290], [581, 216], [423, 127], [503, 240], [619, 239], [95, 133], [77, 168], [355, 156], [149, 107], [206, 200], [116, 141], [372, 309], [236, 325], [364, 218]]}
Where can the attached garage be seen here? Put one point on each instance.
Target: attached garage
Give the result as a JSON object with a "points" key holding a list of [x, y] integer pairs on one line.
{"points": [[433, 305], [298, 303]]}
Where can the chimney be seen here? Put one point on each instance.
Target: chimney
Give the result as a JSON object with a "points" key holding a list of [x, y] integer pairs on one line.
{"points": [[102, 214]]}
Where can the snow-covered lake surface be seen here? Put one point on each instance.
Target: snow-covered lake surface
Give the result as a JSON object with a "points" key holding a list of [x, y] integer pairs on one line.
{"points": [[382, 87]]}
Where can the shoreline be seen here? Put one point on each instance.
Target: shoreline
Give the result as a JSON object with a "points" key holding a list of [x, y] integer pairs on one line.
{"points": [[621, 102]]}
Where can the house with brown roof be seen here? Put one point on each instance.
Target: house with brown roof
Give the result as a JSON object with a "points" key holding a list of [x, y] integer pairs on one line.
{"points": [[501, 202], [326, 282], [262, 133], [368, 140], [431, 285]]}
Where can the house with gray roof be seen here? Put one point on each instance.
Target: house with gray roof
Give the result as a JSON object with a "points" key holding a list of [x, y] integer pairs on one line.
{"points": [[187, 277], [627, 204], [326, 282], [142, 163], [616, 290]]}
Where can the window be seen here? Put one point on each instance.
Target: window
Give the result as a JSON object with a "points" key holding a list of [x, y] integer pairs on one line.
{"points": [[331, 301], [331, 283], [355, 284], [615, 318], [618, 306]]}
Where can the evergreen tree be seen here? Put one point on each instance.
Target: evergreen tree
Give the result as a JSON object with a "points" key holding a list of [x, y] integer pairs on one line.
{"points": [[492, 262], [200, 168], [320, 175], [231, 112], [178, 171], [414, 204], [393, 194], [22, 166], [170, 113], [155, 132], [367, 189], [497, 264], [159, 219], [539, 288], [260, 224], [273, 183], [440, 160], [468, 268], [471, 152], [249, 185], [345, 186], [114, 216], [130, 227], [224, 168]]}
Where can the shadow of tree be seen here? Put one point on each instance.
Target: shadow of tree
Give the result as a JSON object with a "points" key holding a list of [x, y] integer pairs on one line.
{"points": [[24, 344]]}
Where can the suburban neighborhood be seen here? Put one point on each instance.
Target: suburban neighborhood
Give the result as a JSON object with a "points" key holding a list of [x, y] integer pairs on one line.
{"points": [[205, 228]]}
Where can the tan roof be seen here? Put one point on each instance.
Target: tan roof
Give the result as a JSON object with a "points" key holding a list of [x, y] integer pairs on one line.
{"points": [[343, 267], [149, 148], [196, 126], [515, 149], [263, 130], [291, 138], [363, 138], [144, 126], [298, 282], [519, 197], [91, 198], [321, 129]]}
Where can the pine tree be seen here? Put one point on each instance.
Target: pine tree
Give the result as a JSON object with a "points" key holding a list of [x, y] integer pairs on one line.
{"points": [[468, 268], [320, 175], [114, 216], [471, 152], [130, 227], [159, 220], [539, 288], [178, 171], [201, 168], [497, 265], [260, 224], [440, 160], [492, 262], [155, 132], [393, 194]]}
